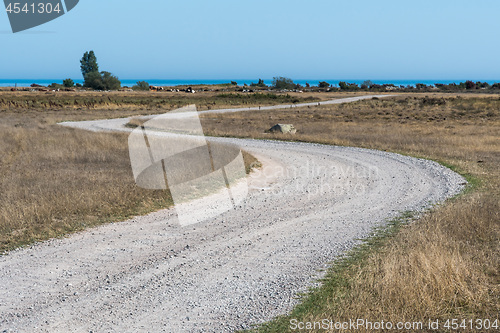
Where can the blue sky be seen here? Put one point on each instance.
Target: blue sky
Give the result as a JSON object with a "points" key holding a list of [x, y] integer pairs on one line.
{"points": [[228, 39]]}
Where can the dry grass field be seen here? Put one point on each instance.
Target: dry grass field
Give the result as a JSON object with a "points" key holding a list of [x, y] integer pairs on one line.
{"points": [[442, 266], [56, 180], [149, 102]]}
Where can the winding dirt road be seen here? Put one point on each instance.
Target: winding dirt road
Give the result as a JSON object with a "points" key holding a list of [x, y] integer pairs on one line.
{"points": [[307, 205]]}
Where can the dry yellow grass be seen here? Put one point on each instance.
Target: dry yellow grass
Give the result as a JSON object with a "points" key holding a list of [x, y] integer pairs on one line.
{"points": [[445, 265], [56, 180]]}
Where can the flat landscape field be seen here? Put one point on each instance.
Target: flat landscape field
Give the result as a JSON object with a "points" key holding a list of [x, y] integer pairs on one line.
{"points": [[441, 265], [444, 265]]}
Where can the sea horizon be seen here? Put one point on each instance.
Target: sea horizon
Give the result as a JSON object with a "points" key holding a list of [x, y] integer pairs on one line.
{"points": [[241, 82]]}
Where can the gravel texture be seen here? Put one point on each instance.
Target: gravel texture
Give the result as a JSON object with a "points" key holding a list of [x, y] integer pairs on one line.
{"points": [[306, 206]]}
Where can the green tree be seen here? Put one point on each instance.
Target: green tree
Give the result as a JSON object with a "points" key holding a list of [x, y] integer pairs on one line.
{"points": [[68, 83], [324, 84], [94, 79], [141, 85], [280, 82], [88, 64]]}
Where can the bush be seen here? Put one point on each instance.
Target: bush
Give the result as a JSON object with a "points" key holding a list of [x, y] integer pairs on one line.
{"points": [[260, 84], [141, 86], [110, 81], [280, 82], [470, 85], [68, 83], [367, 84], [55, 86], [324, 84], [102, 81], [234, 83], [348, 86]]}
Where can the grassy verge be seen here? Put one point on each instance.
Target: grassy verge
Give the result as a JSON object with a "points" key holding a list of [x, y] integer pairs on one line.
{"points": [[443, 266]]}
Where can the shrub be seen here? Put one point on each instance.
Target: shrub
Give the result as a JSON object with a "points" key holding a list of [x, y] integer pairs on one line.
{"points": [[324, 84], [260, 84], [367, 83], [280, 82], [348, 86], [470, 85], [110, 81], [102, 81], [141, 86], [68, 83], [55, 86]]}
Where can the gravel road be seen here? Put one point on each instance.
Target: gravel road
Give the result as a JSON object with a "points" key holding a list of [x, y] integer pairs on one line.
{"points": [[306, 206]]}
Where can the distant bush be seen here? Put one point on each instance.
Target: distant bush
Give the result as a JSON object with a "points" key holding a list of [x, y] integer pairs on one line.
{"points": [[55, 86], [102, 81], [367, 84], [68, 83], [348, 86], [470, 85], [234, 83], [141, 86], [260, 84], [280, 82], [324, 84]]}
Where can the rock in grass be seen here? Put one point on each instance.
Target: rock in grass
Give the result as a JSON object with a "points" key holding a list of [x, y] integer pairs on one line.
{"points": [[283, 128]]}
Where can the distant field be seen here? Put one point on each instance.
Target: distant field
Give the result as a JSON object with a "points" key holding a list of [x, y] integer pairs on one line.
{"points": [[155, 102], [444, 266]]}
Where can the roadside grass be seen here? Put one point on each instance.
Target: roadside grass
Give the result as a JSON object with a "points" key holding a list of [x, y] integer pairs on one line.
{"points": [[55, 180], [444, 265]]}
